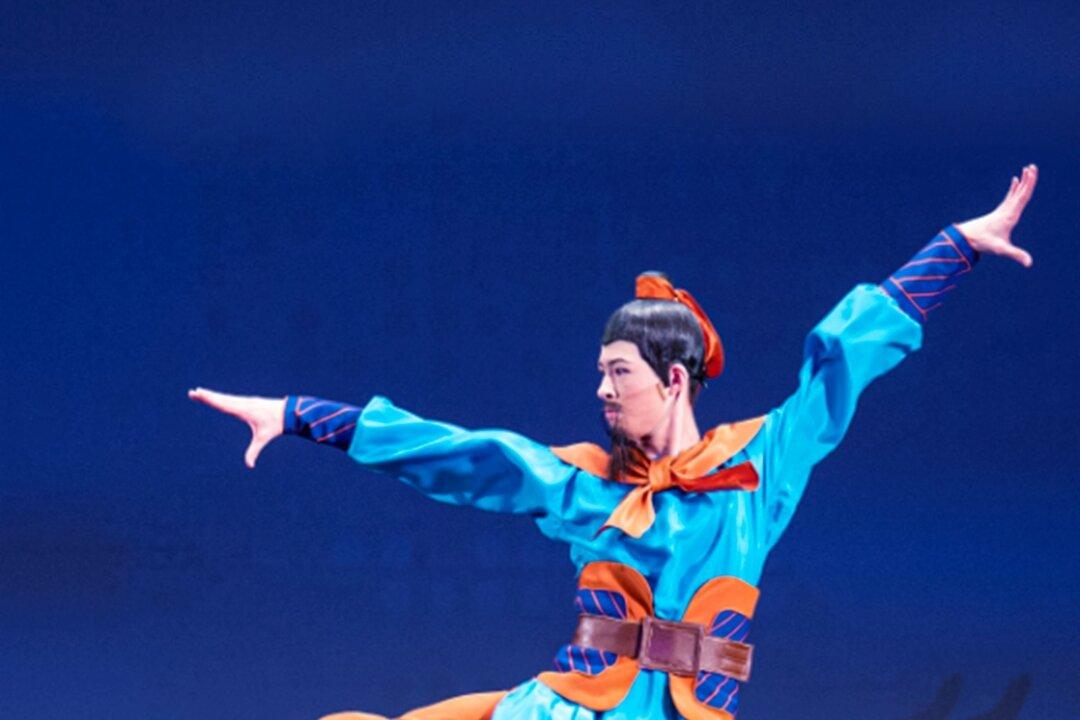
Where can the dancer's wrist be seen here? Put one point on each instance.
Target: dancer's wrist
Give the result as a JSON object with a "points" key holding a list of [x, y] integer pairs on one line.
{"points": [[920, 285], [324, 421], [290, 423]]}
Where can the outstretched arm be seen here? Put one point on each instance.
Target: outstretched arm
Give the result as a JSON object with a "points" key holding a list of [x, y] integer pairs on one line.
{"points": [[867, 334], [862, 338], [322, 421], [489, 469]]}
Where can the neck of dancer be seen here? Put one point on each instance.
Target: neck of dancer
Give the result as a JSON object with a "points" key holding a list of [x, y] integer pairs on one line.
{"points": [[676, 431]]}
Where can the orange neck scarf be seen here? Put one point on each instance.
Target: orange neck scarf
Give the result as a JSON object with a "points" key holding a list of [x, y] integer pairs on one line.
{"points": [[689, 471]]}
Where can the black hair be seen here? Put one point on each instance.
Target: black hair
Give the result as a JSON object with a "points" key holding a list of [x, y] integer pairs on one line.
{"points": [[665, 332]]}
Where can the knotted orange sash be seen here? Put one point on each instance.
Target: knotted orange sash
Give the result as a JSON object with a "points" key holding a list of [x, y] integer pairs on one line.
{"points": [[689, 471]]}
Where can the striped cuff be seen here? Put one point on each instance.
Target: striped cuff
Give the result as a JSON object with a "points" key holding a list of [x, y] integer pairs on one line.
{"points": [[921, 284], [323, 421]]}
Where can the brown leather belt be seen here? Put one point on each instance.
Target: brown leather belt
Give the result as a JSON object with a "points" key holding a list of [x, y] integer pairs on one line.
{"points": [[681, 648]]}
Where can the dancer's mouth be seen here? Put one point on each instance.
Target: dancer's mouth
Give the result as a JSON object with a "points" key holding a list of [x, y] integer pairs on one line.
{"points": [[611, 414]]}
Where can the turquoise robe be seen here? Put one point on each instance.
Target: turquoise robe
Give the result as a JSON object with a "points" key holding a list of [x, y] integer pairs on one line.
{"points": [[696, 536]]}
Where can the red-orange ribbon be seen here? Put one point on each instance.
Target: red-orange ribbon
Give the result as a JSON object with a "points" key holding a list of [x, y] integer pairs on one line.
{"points": [[654, 287], [688, 471]]}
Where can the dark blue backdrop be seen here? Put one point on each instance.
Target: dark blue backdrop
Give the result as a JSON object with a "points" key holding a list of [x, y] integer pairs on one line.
{"points": [[442, 204]]}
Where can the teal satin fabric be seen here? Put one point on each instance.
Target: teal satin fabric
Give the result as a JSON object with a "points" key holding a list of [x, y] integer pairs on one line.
{"points": [[696, 536], [648, 699]]}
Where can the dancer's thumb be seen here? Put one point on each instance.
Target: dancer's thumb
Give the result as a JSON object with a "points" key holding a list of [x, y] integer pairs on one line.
{"points": [[254, 448]]}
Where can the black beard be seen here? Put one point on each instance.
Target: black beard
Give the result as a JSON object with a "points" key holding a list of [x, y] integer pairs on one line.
{"points": [[619, 458]]}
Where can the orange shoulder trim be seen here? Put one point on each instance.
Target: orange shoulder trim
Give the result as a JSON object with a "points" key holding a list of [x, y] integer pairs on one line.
{"points": [[589, 457], [724, 441]]}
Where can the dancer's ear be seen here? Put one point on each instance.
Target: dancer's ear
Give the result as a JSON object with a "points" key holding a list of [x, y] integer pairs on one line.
{"points": [[678, 379]]}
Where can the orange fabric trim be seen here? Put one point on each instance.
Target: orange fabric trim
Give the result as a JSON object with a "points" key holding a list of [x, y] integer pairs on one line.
{"points": [[589, 457], [622, 579], [654, 287], [689, 471], [717, 595], [476, 706], [596, 692], [608, 688], [689, 707]]}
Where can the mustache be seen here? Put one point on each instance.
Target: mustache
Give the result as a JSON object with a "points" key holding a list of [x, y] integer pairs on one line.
{"points": [[614, 431]]}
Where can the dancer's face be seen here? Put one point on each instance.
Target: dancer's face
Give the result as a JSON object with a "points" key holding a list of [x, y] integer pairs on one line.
{"points": [[635, 400]]}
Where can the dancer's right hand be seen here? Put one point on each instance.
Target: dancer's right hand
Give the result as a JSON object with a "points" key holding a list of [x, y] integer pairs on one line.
{"points": [[265, 416], [992, 233]]}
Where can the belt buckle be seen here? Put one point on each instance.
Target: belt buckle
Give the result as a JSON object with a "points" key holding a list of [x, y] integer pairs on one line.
{"points": [[673, 647]]}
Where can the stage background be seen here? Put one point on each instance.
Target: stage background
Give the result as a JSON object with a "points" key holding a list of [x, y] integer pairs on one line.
{"points": [[442, 204]]}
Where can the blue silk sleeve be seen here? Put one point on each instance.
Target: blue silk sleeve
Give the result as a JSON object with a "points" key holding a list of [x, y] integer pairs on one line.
{"points": [[863, 337], [494, 470]]}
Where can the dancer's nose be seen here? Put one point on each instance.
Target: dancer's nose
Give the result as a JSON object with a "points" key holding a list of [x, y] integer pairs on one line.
{"points": [[606, 391]]}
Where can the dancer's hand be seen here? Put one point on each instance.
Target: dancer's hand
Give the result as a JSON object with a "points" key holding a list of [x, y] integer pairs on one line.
{"points": [[265, 416], [991, 233]]}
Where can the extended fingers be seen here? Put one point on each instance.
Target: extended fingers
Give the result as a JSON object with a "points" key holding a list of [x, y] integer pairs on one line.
{"points": [[1031, 176], [219, 401], [207, 397], [1020, 192]]}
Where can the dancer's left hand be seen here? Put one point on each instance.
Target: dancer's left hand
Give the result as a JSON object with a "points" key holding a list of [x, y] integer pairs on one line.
{"points": [[992, 233]]}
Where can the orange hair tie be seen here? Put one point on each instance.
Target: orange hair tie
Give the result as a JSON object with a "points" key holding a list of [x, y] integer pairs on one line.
{"points": [[654, 287]]}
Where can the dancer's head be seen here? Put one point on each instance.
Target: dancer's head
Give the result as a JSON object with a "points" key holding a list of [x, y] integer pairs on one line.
{"points": [[654, 358]]}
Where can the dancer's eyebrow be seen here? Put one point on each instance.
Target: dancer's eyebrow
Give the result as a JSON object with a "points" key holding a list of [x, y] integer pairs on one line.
{"points": [[600, 365]]}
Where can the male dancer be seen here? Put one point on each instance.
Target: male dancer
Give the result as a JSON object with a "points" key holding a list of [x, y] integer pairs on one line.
{"points": [[669, 530]]}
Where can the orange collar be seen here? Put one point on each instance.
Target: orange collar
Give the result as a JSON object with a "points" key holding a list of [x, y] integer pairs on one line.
{"points": [[688, 471]]}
